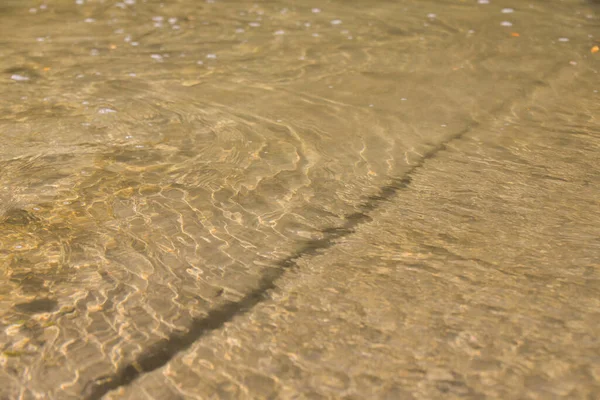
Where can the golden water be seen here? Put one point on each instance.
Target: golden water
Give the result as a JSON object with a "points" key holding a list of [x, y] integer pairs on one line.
{"points": [[282, 199]]}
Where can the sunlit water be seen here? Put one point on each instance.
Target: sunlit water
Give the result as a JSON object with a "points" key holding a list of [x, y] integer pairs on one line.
{"points": [[278, 199]]}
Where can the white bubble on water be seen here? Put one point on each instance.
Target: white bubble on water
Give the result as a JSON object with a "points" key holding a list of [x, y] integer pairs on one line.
{"points": [[336, 22], [157, 57], [279, 32], [19, 78], [563, 39], [316, 10], [506, 23], [507, 10], [106, 110]]}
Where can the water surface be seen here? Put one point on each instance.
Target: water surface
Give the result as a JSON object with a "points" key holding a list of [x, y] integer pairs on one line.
{"points": [[231, 199]]}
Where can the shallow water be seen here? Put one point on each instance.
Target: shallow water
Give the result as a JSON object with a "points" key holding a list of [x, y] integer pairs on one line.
{"points": [[230, 199]]}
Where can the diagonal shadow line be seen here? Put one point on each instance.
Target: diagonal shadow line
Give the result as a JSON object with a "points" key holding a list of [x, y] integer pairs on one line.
{"points": [[164, 350]]}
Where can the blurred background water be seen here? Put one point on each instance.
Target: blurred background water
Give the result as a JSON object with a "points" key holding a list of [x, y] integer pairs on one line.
{"points": [[285, 199]]}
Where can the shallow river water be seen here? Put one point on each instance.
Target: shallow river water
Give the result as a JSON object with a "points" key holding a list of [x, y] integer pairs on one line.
{"points": [[299, 199]]}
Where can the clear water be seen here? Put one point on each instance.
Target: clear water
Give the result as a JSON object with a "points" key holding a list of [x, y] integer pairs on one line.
{"points": [[278, 199]]}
